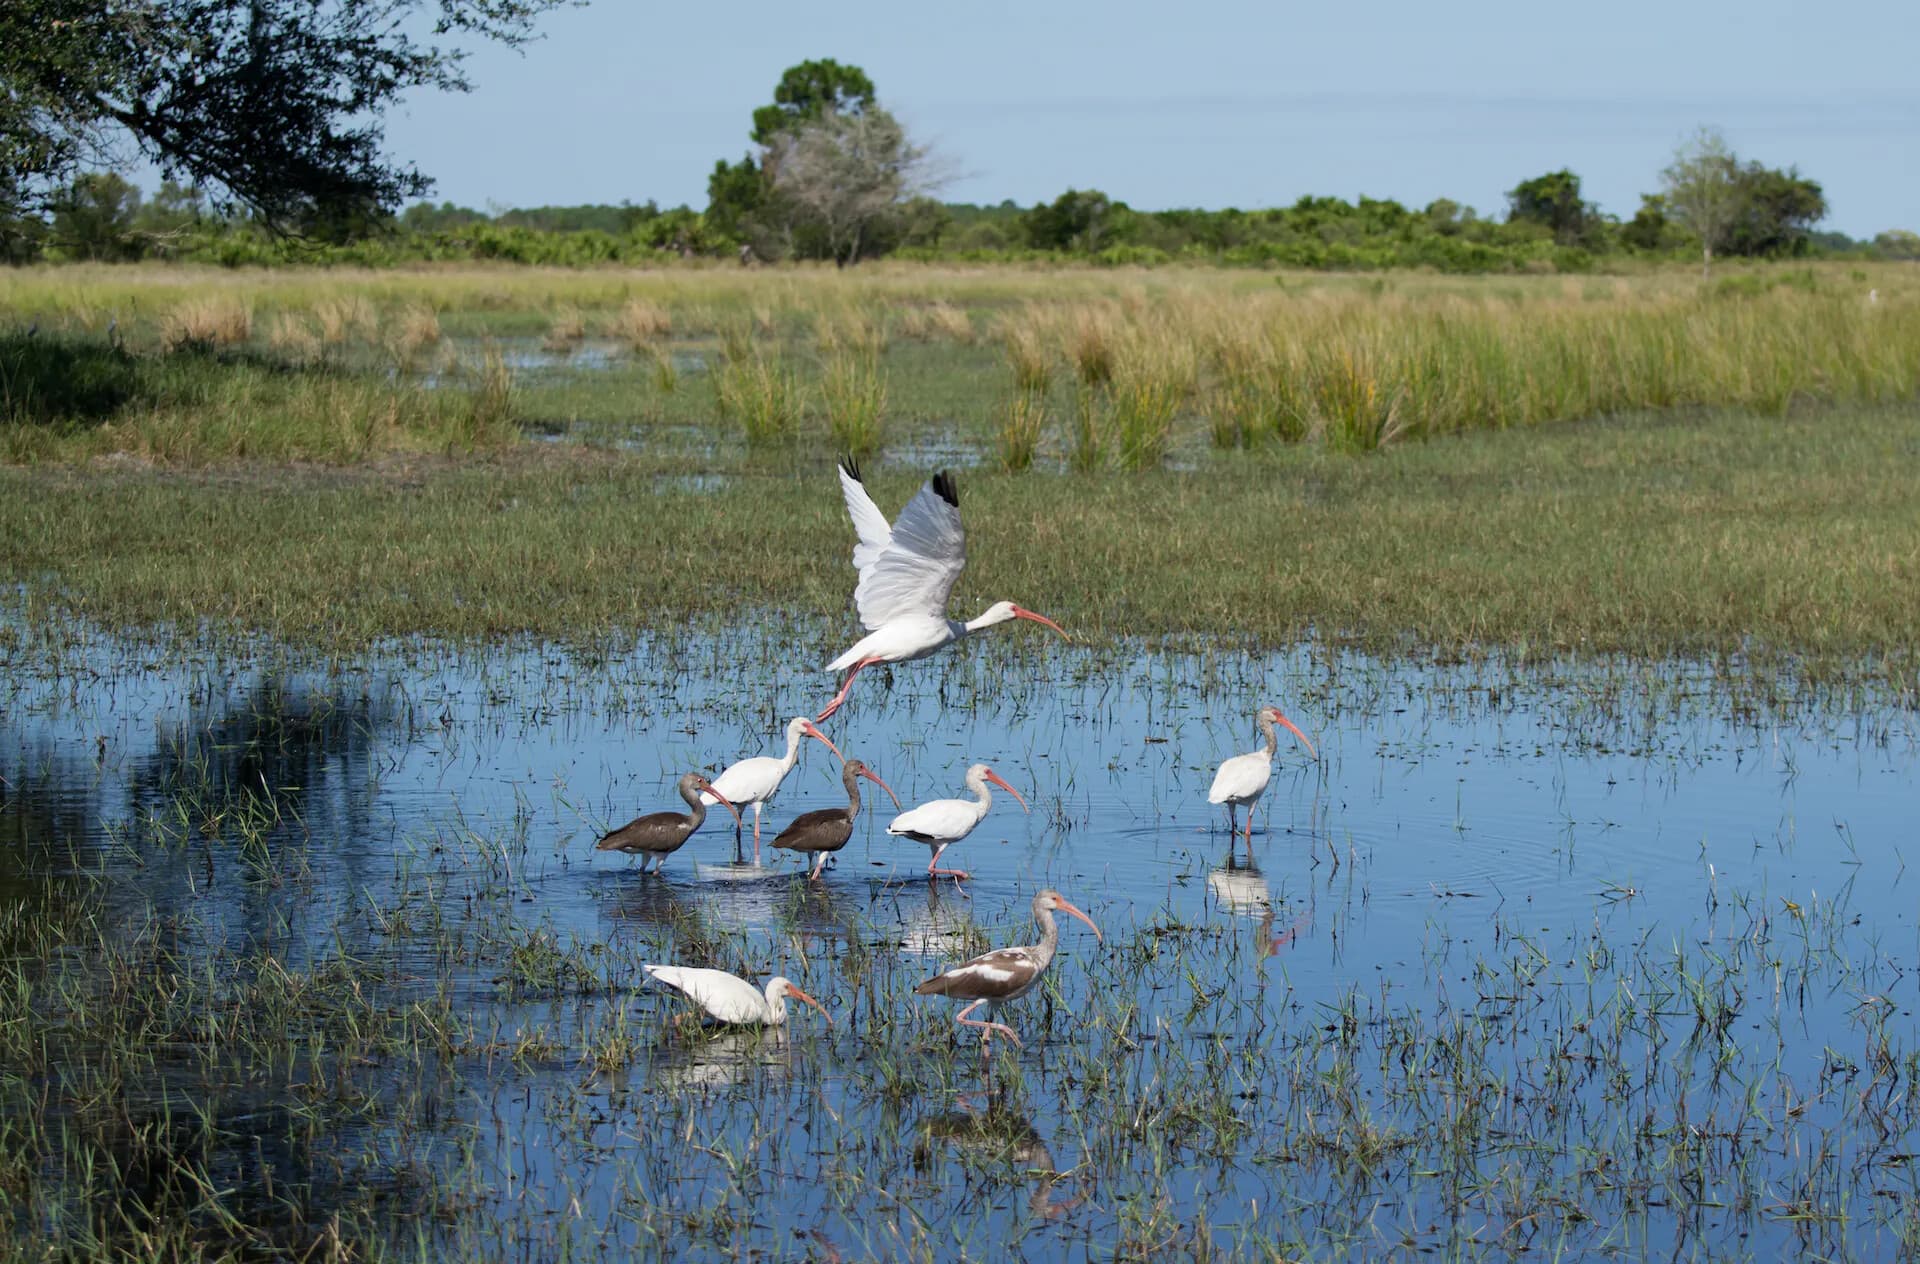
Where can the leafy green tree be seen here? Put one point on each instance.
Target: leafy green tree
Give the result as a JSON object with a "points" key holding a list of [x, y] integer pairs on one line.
{"points": [[276, 105], [809, 91], [736, 192], [1553, 202], [1648, 229], [1077, 220], [1777, 210], [1897, 243], [94, 219], [1702, 187], [856, 172]]}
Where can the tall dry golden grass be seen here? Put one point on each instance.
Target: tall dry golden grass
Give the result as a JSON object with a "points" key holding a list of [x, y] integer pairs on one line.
{"points": [[1360, 371], [215, 320]]}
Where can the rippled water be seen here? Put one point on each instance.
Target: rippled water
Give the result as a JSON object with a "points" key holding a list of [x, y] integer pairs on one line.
{"points": [[1611, 909]]}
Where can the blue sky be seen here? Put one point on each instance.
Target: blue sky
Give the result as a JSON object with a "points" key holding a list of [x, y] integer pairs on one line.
{"points": [[1208, 103]]}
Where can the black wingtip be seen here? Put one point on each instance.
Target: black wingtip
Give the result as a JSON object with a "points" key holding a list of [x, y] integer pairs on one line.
{"points": [[946, 489], [852, 467]]}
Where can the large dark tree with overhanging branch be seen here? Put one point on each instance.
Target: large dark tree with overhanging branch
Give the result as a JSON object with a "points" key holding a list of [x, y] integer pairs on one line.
{"points": [[274, 105]]}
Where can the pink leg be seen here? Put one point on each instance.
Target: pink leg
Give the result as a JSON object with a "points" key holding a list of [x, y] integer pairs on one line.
{"points": [[1249, 833], [841, 697], [756, 836], [819, 863], [933, 871], [987, 1028]]}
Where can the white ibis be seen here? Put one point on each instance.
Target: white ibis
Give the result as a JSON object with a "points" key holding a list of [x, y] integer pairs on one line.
{"points": [[944, 822], [827, 830], [1243, 779], [757, 780], [1005, 974], [729, 998], [658, 835], [907, 572]]}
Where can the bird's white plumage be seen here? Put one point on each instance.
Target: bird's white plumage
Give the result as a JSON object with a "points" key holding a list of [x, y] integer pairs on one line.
{"points": [[724, 996], [758, 779], [869, 524], [916, 571], [947, 820], [1242, 779]]}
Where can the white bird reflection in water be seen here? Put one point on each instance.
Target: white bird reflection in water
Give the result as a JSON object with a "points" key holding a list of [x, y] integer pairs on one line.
{"points": [[719, 1057], [932, 925], [1240, 889], [998, 1134]]}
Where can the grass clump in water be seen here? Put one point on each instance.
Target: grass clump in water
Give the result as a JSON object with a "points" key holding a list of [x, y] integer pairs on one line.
{"points": [[854, 391], [760, 392], [1021, 427]]}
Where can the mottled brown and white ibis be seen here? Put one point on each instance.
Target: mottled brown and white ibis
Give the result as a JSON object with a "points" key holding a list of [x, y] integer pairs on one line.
{"points": [[1243, 778], [907, 571], [755, 781], [943, 822], [728, 998], [658, 835], [827, 830], [1005, 974]]}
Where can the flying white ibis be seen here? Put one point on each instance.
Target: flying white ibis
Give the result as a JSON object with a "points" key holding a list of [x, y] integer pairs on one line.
{"points": [[658, 835], [729, 998], [757, 780], [907, 572], [1005, 974], [944, 822], [1243, 779], [827, 830]]}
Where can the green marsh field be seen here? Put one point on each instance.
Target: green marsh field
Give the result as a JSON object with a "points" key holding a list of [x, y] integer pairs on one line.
{"points": [[346, 609]]}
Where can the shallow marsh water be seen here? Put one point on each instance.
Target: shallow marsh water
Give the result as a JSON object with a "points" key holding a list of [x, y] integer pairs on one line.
{"points": [[1591, 960]]}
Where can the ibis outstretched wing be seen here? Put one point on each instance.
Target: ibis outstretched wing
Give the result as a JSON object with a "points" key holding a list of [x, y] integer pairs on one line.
{"points": [[923, 559]]}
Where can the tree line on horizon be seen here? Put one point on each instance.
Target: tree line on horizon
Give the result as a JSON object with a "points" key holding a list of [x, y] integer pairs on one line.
{"points": [[832, 175]]}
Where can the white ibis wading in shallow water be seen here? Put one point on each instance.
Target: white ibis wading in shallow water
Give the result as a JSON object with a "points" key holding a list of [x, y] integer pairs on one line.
{"points": [[907, 571], [730, 998], [659, 834], [757, 780], [944, 822], [827, 830], [1005, 974], [1243, 779]]}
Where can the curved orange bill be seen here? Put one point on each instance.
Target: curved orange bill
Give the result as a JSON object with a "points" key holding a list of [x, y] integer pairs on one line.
{"points": [[1074, 912], [874, 777], [994, 777], [1020, 612], [708, 788], [798, 995], [1288, 725], [811, 731]]}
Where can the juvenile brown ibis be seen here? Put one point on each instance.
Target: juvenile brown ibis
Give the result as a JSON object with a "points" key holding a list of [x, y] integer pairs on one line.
{"points": [[1005, 974], [1243, 778], [944, 822], [827, 830], [658, 835], [907, 571]]}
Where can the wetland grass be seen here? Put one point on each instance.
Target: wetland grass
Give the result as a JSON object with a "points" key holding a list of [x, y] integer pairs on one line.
{"points": [[761, 393], [68, 401], [853, 391], [207, 324], [1021, 427], [1745, 539]]}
